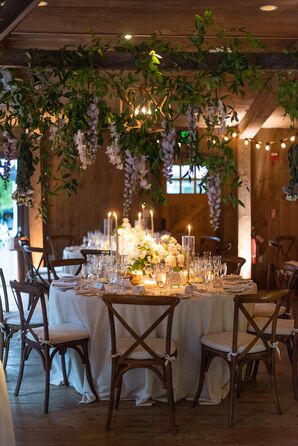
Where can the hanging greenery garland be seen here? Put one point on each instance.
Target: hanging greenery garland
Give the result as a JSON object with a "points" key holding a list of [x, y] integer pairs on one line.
{"points": [[65, 111]]}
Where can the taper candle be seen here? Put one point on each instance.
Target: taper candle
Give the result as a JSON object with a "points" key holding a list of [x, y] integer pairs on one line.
{"points": [[116, 235], [152, 223], [109, 230], [188, 252], [139, 218]]}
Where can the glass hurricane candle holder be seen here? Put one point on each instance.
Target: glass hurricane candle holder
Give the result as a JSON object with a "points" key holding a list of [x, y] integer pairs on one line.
{"points": [[189, 243]]}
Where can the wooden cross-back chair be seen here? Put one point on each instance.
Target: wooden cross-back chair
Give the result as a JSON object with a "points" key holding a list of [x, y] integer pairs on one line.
{"points": [[282, 248], [93, 252], [57, 243], [36, 275], [242, 348], [56, 266], [48, 340], [141, 350], [234, 264], [209, 243]]}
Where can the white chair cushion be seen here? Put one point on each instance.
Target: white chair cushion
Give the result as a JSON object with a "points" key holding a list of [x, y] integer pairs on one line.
{"points": [[266, 310], [284, 326], [13, 318], [156, 344], [61, 333], [222, 341]]}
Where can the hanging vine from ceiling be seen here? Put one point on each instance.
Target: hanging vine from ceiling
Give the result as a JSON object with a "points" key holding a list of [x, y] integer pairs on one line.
{"points": [[65, 111]]}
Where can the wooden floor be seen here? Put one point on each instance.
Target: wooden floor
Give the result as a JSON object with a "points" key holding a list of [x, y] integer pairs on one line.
{"points": [[73, 424]]}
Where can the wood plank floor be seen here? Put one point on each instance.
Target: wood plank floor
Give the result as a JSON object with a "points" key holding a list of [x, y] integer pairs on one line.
{"points": [[73, 424]]}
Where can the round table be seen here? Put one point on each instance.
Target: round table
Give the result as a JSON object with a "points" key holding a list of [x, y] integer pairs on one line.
{"points": [[6, 426], [194, 317]]}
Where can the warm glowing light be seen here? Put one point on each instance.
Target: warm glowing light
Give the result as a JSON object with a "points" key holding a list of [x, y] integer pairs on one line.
{"points": [[43, 3], [283, 144], [234, 134], [292, 138], [109, 214], [267, 146], [214, 141], [246, 141], [268, 8], [226, 138], [128, 36], [189, 228], [258, 145]]}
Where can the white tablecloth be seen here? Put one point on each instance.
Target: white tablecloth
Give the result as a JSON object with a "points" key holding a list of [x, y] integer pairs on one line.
{"points": [[6, 426], [193, 318], [72, 252]]}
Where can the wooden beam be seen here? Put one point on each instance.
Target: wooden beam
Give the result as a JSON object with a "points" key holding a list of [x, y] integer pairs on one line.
{"points": [[117, 61], [12, 13], [260, 110]]}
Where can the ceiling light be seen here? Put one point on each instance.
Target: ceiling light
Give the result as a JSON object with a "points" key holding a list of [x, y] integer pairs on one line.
{"points": [[283, 144], [267, 146], [246, 141], [128, 36], [43, 3], [292, 138], [258, 145], [268, 8]]}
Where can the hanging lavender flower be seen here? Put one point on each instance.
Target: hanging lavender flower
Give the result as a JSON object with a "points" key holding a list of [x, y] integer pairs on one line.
{"points": [[10, 152], [130, 181], [135, 172], [92, 134], [113, 150], [168, 140], [217, 115], [23, 198], [82, 148], [214, 199]]}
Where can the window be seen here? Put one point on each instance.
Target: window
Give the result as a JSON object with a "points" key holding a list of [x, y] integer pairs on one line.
{"points": [[186, 182]]}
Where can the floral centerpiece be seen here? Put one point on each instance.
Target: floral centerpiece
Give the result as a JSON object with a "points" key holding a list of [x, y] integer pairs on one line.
{"points": [[150, 253]]}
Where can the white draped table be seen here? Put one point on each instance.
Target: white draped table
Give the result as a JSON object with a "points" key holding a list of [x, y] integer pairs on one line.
{"points": [[194, 317], [6, 426]]}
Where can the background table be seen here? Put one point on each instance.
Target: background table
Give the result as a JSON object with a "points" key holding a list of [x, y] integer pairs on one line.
{"points": [[193, 318], [72, 252], [6, 426]]}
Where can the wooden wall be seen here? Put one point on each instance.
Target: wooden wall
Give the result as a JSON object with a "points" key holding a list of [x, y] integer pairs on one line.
{"points": [[272, 214]]}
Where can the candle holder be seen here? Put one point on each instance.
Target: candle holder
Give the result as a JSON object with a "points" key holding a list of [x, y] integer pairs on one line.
{"points": [[107, 226], [191, 240]]}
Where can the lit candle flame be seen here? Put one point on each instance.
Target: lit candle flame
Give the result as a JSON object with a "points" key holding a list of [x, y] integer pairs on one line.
{"points": [[189, 228], [109, 214]]}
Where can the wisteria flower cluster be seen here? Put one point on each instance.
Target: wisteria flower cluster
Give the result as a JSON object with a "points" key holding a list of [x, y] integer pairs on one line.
{"points": [[87, 143], [168, 141], [214, 199], [10, 152], [217, 116], [113, 150], [192, 123], [135, 173], [150, 253], [23, 198]]}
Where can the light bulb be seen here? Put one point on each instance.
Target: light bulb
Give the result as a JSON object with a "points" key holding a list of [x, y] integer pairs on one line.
{"points": [[267, 146], [246, 141], [258, 145], [128, 36], [234, 134], [283, 144], [292, 138], [226, 138]]}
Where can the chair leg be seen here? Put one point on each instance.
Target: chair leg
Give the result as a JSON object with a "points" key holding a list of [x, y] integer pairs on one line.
{"points": [[1, 345], [201, 379], [6, 352], [233, 375], [247, 375], [21, 369], [47, 368], [118, 393], [255, 369], [65, 378], [171, 404], [273, 383], [88, 369], [111, 400]]}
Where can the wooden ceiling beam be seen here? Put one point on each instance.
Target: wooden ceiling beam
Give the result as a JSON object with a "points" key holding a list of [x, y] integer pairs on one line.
{"points": [[12, 13], [262, 107], [116, 61]]}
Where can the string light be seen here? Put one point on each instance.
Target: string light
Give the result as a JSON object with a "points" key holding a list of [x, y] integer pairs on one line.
{"points": [[282, 144], [234, 134], [267, 146], [292, 139], [246, 141], [226, 138], [258, 145], [128, 36]]}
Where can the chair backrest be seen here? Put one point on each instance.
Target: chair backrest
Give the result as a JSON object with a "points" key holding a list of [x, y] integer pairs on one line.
{"points": [[57, 243], [240, 302], [283, 247], [93, 252], [285, 276], [168, 302], [5, 300], [53, 264], [32, 271], [208, 243], [234, 264], [37, 296]]}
